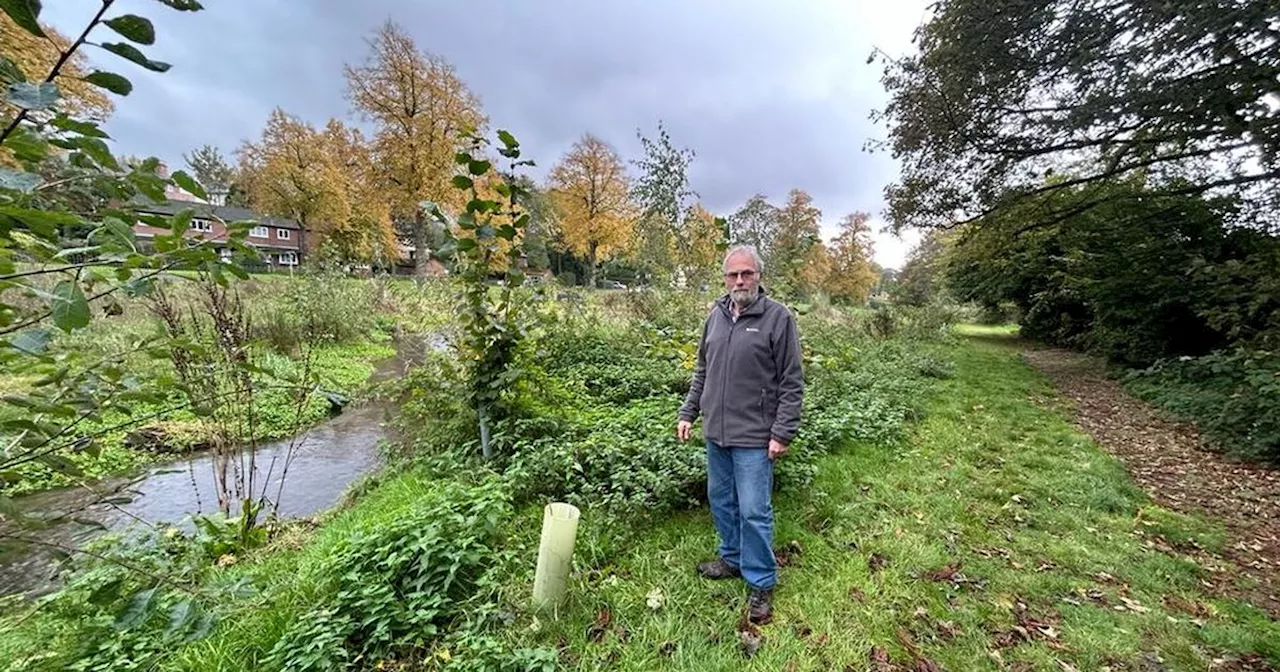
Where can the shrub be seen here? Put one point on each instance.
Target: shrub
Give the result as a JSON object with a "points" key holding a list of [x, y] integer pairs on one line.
{"points": [[398, 586], [1232, 396]]}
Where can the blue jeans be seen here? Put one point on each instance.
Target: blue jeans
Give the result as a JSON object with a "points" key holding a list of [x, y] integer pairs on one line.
{"points": [[739, 486]]}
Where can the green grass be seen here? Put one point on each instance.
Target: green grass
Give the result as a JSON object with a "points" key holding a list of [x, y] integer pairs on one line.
{"points": [[1031, 507], [992, 478]]}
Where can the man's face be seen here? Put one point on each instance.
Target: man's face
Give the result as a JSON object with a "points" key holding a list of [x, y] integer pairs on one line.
{"points": [[742, 279]]}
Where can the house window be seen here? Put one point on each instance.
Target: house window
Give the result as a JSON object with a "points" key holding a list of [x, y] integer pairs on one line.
{"points": [[202, 225], [225, 254], [287, 258], [258, 232], [282, 234]]}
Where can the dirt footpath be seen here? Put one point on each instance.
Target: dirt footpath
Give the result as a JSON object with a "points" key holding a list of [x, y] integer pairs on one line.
{"points": [[1168, 460]]}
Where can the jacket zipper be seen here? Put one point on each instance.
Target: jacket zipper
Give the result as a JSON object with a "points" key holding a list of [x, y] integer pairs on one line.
{"points": [[724, 378]]}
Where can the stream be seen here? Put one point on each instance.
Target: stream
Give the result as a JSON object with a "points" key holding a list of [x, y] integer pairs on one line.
{"points": [[326, 459]]}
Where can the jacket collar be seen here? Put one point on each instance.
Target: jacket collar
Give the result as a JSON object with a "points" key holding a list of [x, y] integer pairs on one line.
{"points": [[756, 308]]}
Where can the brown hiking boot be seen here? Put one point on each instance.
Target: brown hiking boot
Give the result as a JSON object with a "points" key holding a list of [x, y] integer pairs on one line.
{"points": [[718, 569], [760, 606]]}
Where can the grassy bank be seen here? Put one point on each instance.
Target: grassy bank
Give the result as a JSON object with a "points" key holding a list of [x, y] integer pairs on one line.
{"points": [[1046, 536], [990, 534], [346, 325]]}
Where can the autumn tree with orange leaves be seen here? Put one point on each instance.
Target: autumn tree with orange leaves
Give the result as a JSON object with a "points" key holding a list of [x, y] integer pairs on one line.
{"points": [[591, 192], [800, 260], [852, 273], [35, 56], [322, 179], [420, 110]]}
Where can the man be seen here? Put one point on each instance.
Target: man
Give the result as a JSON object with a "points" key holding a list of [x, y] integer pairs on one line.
{"points": [[747, 385]]}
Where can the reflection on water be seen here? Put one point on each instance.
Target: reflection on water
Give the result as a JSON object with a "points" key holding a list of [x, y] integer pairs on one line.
{"points": [[326, 459]]}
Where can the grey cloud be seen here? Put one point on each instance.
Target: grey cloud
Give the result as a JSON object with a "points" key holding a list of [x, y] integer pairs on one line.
{"points": [[770, 95]]}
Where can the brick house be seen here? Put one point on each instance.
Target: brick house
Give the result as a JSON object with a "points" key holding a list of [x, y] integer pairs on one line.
{"points": [[281, 241]]}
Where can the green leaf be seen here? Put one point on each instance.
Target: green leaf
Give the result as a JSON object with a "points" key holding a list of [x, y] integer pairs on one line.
{"points": [[137, 610], [462, 158], [41, 222], [70, 308], [64, 123], [478, 167], [507, 232], [134, 28], [32, 341], [32, 96], [26, 145], [182, 179], [465, 244], [10, 73], [25, 13], [19, 181], [97, 150], [462, 182], [182, 221], [184, 5], [203, 625], [508, 139], [110, 81], [120, 229], [180, 616], [130, 52]]}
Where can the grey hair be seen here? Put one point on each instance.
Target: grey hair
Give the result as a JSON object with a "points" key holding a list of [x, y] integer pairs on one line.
{"points": [[750, 251]]}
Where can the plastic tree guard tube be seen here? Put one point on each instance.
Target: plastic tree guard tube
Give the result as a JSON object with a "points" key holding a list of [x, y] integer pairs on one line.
{"points": [[555, 554]]}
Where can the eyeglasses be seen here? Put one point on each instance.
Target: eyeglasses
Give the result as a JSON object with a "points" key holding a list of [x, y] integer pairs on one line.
{"points": [[745, 275]]}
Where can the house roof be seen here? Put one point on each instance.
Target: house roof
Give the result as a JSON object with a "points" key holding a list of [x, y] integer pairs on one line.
{"points": [[228, 213]]}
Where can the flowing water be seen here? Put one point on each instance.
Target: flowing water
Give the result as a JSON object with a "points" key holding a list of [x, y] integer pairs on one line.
{"points": [[325, 460]]}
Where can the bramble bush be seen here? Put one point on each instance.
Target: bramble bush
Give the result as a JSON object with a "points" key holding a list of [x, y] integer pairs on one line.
{"points": [[1232, 396], [400, 589], [597, 408]]}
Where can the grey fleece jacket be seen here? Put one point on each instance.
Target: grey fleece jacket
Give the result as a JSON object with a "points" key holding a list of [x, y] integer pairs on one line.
{"points": [[748, 383]]}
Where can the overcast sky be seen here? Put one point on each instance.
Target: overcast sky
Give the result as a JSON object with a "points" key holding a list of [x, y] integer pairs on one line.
{"points": [[770, 95]]}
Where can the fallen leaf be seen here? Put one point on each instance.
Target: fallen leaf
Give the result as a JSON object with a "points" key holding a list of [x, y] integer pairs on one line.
{"points": [[1134, 605], [597, 630], [750, 639], [879, 659], [947, 573], [877, 562], [667, 649], [655, 599]]}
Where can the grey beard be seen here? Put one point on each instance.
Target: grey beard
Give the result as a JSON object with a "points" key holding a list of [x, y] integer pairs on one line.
{"points": [[744, 297]]}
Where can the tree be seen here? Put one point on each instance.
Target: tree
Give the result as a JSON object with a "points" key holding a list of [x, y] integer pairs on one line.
{"points": [[664, 199], [288, 173], [1003, 92], [756, 223], [591, 191], [706, 240], [361, 228], [798, 231], [325, 181], [213, 172], [28, 56], [920, 280], [852, 272], [421, 111]]}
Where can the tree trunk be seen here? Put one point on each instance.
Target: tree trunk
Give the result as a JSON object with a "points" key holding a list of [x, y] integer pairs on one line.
{"points": [[591, 266], [421, 255]]}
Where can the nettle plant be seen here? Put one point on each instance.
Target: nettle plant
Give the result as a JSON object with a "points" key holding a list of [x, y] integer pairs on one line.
{"points": [[486, 243]]}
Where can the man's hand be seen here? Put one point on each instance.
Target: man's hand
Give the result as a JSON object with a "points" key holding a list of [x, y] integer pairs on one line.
{"points": [[683, 429], [776, 449]]}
